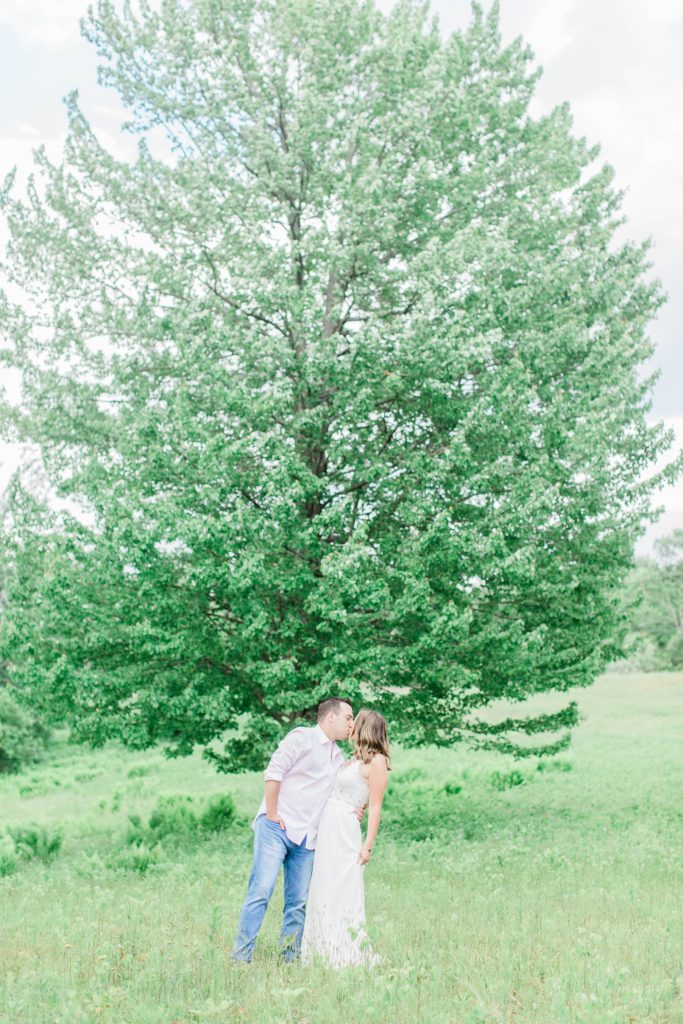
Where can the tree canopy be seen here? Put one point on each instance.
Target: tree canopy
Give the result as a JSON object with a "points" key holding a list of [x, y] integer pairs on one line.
{"points": [[342, 371]]}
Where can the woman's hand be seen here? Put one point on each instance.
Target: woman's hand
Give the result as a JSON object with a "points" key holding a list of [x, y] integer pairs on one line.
{"points": [[364, 855]]}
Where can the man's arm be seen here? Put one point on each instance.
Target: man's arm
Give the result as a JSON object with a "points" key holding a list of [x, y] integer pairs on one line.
{"points": [[290, 749], [272, 793]]}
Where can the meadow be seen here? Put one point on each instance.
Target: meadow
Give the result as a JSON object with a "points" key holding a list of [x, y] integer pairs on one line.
{"points": [[500, 892]]}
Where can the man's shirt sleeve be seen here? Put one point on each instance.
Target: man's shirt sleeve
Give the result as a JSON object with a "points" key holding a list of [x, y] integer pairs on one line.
{"points": [[287, 754]]}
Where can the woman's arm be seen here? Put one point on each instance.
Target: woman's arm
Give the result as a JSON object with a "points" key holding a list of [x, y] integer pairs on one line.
{"points": [[377, 784]]}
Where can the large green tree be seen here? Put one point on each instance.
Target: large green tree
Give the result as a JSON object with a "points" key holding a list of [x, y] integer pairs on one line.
{"points": [[342, 370]]}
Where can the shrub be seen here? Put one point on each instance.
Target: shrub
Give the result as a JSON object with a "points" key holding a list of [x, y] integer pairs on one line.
{"points": [[419, 812], [34, 788], [36, 841], [219, 813], [137, 833], [138, 857], [409, 775], [173, 816], [23, 735], [507, 780], [674, 649], [556, 765], [8, 855]]}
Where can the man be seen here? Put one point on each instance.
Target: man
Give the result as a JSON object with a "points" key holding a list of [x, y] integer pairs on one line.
{"points": [[299, 778]]}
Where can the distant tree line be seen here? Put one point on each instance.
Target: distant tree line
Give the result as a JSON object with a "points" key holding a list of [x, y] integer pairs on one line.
{"points": [[653, 595], [23, 734]]}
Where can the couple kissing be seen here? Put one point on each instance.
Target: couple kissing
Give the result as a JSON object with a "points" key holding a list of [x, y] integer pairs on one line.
{"points": [[309, 823]]}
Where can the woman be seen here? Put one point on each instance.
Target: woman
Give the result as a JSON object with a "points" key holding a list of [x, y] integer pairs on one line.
{"points": [[335, 913]]}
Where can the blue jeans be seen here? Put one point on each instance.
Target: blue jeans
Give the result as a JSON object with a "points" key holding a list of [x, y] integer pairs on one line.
{"points": [[272, 848]]}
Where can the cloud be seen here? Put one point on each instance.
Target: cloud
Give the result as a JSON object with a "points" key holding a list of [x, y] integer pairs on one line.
{"points": [[622, 74], [17, 150], [549, 23], [618, 64], [48, 24]]}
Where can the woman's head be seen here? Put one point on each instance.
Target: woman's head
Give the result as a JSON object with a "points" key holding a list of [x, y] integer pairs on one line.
{"points": [[369, 735]]}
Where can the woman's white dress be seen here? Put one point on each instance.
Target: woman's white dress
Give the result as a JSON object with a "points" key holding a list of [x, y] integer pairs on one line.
{"points": [[335, 913]]}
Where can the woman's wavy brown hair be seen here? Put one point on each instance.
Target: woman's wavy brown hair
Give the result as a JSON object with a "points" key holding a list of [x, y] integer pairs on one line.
{"points": [[369, 736]]}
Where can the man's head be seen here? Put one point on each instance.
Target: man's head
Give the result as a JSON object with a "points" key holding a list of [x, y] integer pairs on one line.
{"points": [[335, 718]]}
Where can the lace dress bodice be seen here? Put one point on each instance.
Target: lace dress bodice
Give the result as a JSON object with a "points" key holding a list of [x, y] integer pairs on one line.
{"points": [[349, 786]]}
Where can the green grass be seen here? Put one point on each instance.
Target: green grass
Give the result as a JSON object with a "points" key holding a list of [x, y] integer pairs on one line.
{"points": [[557, 898]]}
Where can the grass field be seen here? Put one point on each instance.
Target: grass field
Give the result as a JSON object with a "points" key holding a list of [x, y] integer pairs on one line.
{"points": [[500, 891]]}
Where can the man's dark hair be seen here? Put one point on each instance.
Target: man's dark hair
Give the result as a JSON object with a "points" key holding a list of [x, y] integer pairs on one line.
{"points": [[331, 704]]}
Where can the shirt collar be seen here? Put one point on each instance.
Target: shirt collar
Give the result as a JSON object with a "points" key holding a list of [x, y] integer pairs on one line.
{"points": [[321, 735]]}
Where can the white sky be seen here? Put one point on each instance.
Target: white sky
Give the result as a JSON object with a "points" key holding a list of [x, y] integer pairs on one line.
{"points": [[618, 62]]}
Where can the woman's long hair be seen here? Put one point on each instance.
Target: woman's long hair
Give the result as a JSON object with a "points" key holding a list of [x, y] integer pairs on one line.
{"points": [[369, 736]]}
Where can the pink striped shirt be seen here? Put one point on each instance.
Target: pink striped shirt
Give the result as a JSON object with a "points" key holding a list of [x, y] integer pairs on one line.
{"points": [[305, 764]]}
